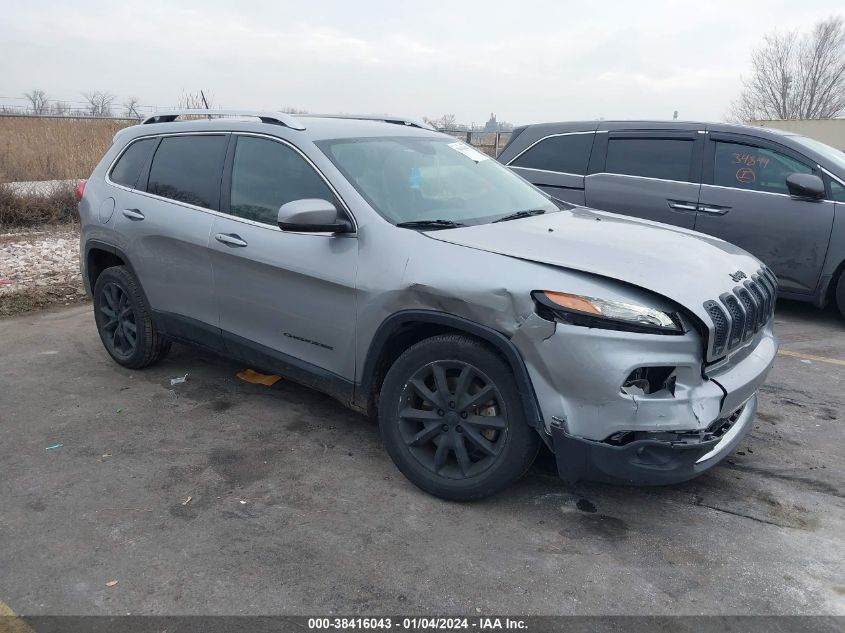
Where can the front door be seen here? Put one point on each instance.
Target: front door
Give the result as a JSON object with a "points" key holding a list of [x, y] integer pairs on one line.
{"points": [[286, 297], [649, 174], [744, 200]]}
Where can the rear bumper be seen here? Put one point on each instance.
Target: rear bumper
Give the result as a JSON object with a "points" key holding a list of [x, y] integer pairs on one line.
{"points": [[647, 462]]}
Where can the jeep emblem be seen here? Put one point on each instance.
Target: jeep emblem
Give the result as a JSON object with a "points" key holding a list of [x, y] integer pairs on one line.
{"points": [[738, 275]]}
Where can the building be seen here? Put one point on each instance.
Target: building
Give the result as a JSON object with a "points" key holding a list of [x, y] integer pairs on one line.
{"points": [[492, 125], [829, 131]]}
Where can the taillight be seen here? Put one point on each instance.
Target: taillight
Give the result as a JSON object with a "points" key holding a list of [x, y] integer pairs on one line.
{"points": [[80, 189]]}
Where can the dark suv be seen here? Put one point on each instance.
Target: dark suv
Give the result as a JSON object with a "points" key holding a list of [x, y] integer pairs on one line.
{"points": [[778, 195]]}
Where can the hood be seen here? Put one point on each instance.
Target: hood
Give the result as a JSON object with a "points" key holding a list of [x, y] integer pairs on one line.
{"points": [[687, 267]]}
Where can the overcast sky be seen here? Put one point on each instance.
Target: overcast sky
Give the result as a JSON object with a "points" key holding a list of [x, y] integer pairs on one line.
{"points": [[528, 60]]}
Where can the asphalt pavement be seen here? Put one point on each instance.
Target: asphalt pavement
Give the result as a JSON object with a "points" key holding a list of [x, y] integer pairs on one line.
{"points": [[223, 497]]}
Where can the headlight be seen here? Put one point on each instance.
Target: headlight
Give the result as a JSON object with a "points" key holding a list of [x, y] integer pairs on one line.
{"points": [[605, 313]]}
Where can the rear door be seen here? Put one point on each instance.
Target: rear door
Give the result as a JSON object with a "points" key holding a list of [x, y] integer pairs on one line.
{"points": [[744, 200], [557, 164], [651, 174], [166, 221], [285, 299]]}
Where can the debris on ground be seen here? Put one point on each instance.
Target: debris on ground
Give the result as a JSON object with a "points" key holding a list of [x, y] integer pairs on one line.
{"points": [[119, 410], [39, 269], [178, 380], [111, 583], [187, 501], [53, 447], [249, 375]]}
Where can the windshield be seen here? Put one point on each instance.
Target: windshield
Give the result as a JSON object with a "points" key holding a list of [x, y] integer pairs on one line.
{"points": [[830, 153], [413, 180]]}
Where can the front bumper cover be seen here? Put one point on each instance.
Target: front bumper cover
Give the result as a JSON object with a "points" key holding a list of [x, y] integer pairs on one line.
{"points": [[646, 462]]}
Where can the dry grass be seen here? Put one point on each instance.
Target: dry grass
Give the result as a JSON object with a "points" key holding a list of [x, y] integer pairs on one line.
{"points": [[52, 149], [24, 209]]}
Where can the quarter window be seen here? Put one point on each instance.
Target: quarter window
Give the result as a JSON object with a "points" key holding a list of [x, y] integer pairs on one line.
{"points": [[754, 168], [664, 158], [128, 167], [569, 153], [188, 169], [267, 174]]}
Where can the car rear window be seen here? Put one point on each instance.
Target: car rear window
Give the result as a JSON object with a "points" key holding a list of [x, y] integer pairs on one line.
{"points": [[567, 153], [664, 158], [188, 169], [128, 167]]}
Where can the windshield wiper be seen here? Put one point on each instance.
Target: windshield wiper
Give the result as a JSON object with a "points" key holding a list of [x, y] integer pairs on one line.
{"points": [[520, 214], [430, 224]]}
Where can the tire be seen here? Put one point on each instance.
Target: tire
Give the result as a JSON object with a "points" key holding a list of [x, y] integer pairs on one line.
{"points": [[840, 293], [444, 444], [124, 322]]}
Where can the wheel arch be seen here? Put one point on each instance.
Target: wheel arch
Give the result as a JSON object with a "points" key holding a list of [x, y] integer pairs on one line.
{"points": [[99, 256], [407, 327], [828, 294]]}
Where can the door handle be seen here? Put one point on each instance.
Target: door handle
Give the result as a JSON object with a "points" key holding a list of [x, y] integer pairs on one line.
{"points": [[230, 239], [682, 206], [713, 210], [133, 214]]}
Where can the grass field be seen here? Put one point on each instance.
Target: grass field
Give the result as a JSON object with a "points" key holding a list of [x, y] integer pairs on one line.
{"points": [[52, 149]]}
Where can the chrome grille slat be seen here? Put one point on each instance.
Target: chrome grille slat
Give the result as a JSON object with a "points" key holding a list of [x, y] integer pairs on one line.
{"points": [[750, 312], [741, 313]]}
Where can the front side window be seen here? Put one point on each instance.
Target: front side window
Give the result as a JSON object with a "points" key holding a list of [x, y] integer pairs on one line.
{"points": [[837, 191], [267, 174], [754, 168], [663, 158], [568, 153], [416, 179], [188, 169], [128, 167]]}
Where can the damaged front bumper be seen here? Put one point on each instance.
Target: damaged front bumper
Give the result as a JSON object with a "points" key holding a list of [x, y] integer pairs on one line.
{"points": [[605, 426], [650, 461]]}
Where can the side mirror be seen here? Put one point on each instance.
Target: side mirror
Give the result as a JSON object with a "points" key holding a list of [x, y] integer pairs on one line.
{"points": [[312, 215], [808, 186]]}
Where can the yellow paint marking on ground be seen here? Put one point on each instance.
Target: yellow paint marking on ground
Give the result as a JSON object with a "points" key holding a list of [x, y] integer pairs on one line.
{"points": [[821, 359], [10, 622]]}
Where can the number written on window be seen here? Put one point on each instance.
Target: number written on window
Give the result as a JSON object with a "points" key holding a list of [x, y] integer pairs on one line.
{"points": [[755, 168]]}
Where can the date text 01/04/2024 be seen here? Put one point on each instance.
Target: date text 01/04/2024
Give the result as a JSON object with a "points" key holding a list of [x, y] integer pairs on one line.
{"points": [[418, 623]]}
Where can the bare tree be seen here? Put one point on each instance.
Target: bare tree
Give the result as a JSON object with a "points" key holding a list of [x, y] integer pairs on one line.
{"points": [[195, 101], [38, 102], [796, 76], [60, 108], [130, 108], [446, 122], [99, 103]]}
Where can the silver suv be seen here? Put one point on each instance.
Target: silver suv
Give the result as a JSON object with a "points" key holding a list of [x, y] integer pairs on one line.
{"points": [[416, 280]]}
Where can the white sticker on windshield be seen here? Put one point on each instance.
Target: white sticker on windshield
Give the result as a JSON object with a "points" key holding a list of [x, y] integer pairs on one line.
{"points": [[469, 152]]}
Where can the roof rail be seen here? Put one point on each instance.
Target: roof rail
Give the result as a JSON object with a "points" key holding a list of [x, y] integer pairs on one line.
{"points": [[386, 118], [276, 118]]}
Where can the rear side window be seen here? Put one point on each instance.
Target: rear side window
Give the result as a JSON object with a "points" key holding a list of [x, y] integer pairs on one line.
{"points": [[267, 174], [128, 167], [756, 168], [568, 153], [188, 169], [664, 158]]}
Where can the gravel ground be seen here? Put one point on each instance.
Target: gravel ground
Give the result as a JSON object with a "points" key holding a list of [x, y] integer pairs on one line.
{"points": [[39, 268]]}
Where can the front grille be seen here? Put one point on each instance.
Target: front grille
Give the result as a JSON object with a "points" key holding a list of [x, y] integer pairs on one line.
{"points": [[738, 315]]}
